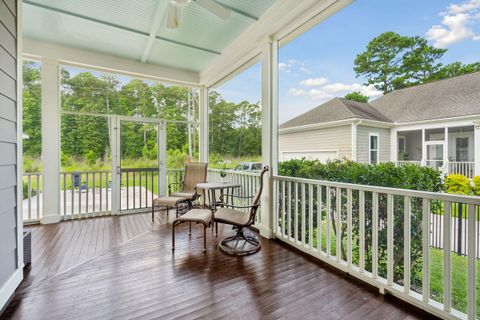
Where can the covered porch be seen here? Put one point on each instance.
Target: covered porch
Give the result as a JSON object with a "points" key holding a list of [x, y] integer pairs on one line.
{"points": [[451, 149], [333, 250]]}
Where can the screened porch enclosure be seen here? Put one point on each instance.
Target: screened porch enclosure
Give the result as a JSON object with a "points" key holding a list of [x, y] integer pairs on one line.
{"points": [[378, 235]]}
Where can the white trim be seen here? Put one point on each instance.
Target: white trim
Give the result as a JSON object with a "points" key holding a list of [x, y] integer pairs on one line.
{"points": [[282, 18], [476, 143], [242, 67], [203, 129], [370, 135], [354, 140], [7, 290], [313, 126], [438, 123], [157, 20], [103, 62]]}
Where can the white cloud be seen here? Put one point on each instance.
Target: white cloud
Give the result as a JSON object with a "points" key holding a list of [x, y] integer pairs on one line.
{"points": [[296, 92], [324, 90], [293, 65], [457, 24], [313, 82]]}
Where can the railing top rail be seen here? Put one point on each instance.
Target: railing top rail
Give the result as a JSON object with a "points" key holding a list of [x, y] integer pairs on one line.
{"points": [[253, 174], [84, 172], [32, 173], [388, 190], [138, 169], [455, 162]]}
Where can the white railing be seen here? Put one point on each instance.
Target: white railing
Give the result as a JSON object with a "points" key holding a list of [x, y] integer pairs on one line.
{"points": [[89, 194], [405, 162], [248, 180], [362, 230], [32, 202], [465, 168]]}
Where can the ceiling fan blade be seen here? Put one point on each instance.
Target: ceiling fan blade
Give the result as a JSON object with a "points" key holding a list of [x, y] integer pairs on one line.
{"points": [[215, 8], [173, 16]]}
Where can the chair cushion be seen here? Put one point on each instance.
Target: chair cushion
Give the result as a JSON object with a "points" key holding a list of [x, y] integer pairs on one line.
{"points": [[230, 216], [189, 195], [197, 215], [169, 201]]}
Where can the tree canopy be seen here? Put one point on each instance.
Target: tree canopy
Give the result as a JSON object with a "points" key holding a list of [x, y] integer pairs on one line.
{"points": [[357, 96], [392, 61]]}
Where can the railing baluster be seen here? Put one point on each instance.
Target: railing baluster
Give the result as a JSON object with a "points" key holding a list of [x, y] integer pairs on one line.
{"points": [[406, 244], [471, 304], [283, 208], [29, 193], [296, 213], [133, 189], [289, 210], [349, 226], [101, 192], [338, 223], [94, 209], [80, 195], [310, 216], [64, 193], [447, 219], [375, 235], [127, 174], [303, 214], [426, 215], [361, 219], [87, 209], [39, 181], [140, 188], [72, 195], [319, 218], [329, 222], [390, 201]]}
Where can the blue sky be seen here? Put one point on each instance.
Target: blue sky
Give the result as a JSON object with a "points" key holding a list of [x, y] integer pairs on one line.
{"points": [[318, 65]]}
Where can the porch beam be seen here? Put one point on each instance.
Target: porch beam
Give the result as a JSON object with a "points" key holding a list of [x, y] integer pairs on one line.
{"points": [[269, 132], [51, 140], [37, 50], [284, 19], [157, 20]]}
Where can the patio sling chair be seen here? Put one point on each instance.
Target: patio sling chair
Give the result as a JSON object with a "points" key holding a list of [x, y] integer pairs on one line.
{"points": [[195, 172], [240, 243]]}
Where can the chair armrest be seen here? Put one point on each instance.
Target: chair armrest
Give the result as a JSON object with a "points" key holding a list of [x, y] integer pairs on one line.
{"points": [[239, 207], [239, 197]]}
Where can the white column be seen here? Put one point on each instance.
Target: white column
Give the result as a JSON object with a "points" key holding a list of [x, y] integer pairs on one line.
{"points": [[476, 145], [269, 132], [354, 141], [114, 126], [394, 145], [424, 149], [445, 152], [51, 140], [203, 134]]}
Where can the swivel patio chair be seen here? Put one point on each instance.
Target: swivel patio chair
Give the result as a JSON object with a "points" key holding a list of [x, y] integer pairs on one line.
{"points": [[195, 172], [240, 243]]}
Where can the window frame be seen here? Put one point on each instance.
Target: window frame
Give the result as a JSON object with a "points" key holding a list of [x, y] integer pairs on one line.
{"points": [[370, 135]]}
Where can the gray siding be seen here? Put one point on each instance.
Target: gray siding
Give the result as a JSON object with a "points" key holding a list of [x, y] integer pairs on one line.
{"points": [[8, 140], [362, 143], [334, 138]]}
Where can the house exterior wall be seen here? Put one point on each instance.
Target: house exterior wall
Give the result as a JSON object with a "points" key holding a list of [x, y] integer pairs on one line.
{"points": [[363, 133], [317, 140], [8, 149]]}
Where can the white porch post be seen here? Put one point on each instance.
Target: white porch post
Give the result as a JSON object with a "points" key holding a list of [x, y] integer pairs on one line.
{"points": [[269, 132], [445, 153], [476, 145], [51, 140], [424, 149], [203, 134], [394, 146]]}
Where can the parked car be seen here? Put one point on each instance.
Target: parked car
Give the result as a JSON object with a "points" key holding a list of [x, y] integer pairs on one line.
{"points": [[249, 166]]}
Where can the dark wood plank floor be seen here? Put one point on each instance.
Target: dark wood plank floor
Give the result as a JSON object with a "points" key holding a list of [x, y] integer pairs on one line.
{"points": [[142, 279]]}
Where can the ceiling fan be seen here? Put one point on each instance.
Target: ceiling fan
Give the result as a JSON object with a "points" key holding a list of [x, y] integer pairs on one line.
{"points": [[175, 6]]}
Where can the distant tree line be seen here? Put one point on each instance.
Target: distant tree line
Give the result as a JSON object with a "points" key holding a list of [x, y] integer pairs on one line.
{"points": [[234, 128]]}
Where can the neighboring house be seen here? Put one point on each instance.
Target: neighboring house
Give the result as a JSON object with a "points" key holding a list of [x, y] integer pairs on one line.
{"points": [[435, 124]]}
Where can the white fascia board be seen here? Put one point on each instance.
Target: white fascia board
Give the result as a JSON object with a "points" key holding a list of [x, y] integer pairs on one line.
{"points": [[356, 121], [282, 19], [37, 50], [438, 123]]}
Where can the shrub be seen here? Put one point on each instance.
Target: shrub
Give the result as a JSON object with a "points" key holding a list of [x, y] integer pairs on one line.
{"points": [[476, 185], [458, 184], [383, 174], [90, 158]]}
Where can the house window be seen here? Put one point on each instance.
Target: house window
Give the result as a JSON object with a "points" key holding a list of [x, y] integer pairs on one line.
{"points": [[373, 148], [462, 149]]}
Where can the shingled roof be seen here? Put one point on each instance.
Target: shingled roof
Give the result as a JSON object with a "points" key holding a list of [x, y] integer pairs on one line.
{"points": [[449, 98], [334, 110]]}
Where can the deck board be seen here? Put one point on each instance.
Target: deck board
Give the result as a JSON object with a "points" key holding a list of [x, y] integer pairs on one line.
{"points": [[123, 268]]}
